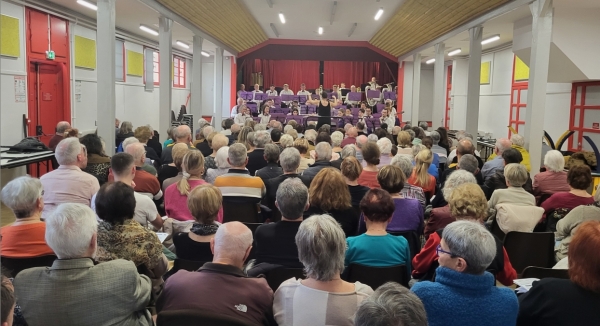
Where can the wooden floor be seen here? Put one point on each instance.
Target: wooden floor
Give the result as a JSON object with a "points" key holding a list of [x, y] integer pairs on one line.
{"points": [[6, 216]]}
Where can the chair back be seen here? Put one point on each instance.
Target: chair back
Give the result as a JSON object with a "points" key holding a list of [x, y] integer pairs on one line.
{"points": [[512, 217], [414, 241], [278, 275], [252, 226], [193, 317], [240, 211], [539, 272], [16, 265], [529, 249], [377, 276]]}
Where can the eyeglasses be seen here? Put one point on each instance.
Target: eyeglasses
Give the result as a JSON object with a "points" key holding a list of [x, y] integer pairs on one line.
{"points": [[439, 249]]}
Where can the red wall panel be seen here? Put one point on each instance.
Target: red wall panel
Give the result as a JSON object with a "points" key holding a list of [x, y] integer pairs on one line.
{"points": [[38, 32], [59, 37]]}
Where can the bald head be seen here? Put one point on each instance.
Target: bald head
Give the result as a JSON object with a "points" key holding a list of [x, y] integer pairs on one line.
{"points": [[502, 144], [361, 140], [465, 146], [138, 152], [235, 128], [352, 132], [182, 134], [231, 244], [62, 126]]}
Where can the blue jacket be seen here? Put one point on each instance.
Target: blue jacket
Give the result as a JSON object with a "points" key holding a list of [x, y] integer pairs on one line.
{"points": [[464, 299]]}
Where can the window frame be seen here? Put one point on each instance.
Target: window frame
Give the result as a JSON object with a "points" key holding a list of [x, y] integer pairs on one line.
{"points": [[177, 69]]}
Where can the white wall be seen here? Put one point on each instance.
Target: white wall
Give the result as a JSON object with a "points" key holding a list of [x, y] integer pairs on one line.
{"points": [[407, 91], [426, 94]]}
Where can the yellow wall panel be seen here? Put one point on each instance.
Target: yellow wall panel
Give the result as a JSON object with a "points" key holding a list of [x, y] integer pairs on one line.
{"points": [[9, 36], [85, 52], [484, 78], [521, 70], [135, 63]]}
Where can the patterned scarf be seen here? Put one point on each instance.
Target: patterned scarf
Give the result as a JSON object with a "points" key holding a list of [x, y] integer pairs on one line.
{"points": [[204, 229]]}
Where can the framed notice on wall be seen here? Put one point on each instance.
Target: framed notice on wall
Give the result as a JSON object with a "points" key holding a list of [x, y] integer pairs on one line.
{"points": [[20, 91]]}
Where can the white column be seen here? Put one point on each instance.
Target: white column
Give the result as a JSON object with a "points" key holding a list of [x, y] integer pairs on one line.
{"points": [[439, 94], [196, 86], [165, 88], [473, 81], [416, 89], [541, 36], [218, 88], [105, 36]]}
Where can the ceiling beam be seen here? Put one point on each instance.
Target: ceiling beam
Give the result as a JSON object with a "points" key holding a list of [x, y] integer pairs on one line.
{"points": [[510, 6], [161, 9]]}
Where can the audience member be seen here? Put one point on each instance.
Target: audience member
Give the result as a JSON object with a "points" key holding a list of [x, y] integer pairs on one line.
{"points": [[289, 160], [302, 145], [25, 237], [467, 147], [391, 304], [360, 141], [467, 163], [235, 132], [404, 143], [444, 139], [128, 141], [204, 145], [404, 162], [181, 134], [224, 286], [272, 169], [553, 301], [143, 134], [169, 174], [226, 124], [516, 176], [498, 181], [385, 148], [170, 138], [68, 184], [327, 182], [371, 159], [7, 302], [347, 151], [579, 178], [98, 162], [323, 297], [437, 149], [350, 139], [237, 184], [567, 226], [61, 127], [497, 163], [104, 294], [351, 170], [216, 141], [420, 177], [125, 131], [222, 165], [554, 179], [286, 141], [518, 143], [322, 160], [462, 283], [145, 182], [256, 158]]}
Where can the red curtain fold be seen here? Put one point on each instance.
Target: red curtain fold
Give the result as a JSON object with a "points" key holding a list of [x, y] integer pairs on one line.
{"points": [[356, 73]]}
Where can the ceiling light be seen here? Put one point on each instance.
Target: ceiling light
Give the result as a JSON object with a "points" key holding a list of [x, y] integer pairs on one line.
{"points": [[320, 30], [430, 61], [274, 30], [490, 39], [454, 52], [282, 18], [87, 4], [148, 30], [352, 29], [205, 54], [379, 13], [183, 45], [333, 8]]}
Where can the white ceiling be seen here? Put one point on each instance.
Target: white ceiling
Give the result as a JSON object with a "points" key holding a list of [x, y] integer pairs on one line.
{"points": [[303, 18]]}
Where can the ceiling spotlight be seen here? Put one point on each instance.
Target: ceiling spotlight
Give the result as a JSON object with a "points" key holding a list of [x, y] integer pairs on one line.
{"points": [[183, 45], [148, 30], [87, 4], [430, 61], [379, 13], [205, 54], [320, 30], [490, 39], [282, 18], [454, 52]]}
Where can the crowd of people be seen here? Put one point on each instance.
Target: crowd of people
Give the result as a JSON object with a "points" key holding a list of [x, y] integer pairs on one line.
{"points": [[330, 197]]}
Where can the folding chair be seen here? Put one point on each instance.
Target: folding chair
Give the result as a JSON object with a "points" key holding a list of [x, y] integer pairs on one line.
{"points": [[377, 276], [278, 275], [188, 317], [16, 265], [414, 241], [530, 249], [539, 272], [240, 211]]}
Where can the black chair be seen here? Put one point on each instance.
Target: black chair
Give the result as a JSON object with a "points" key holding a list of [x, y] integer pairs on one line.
{"points": [[16, 265], [192, 317], [414, 241], [240, 211], [178, 264], [252, 226], [529, 249], [278, 275], [377, 276], [539, 272], [495, 230]]}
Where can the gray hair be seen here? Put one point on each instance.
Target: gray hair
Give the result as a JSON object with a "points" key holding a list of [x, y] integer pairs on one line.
{"points": [[417, 148], [271, 153], [250, 138], [456, 179], [232, 240], [373, 138], [469, 163], [126, 127], [286, 141], [385, 145], [261, 138], [207, 131], [237, 155], [516, 174], [290, 159], [182, 132], [277, 125], [221, 158], [472, 242], [323, 151], [502, 144], [128, 141], [136, 150], [336, 138], [317, 235], [435, 137], [361, 140], [21, 195], [292, 198], [286, 128], [310, 135], [67, 150], [554, 161], [467, 135], [62, 126], [348, 150], [260, 127], [411, 133], [404, 162], [202, 122], [69, 230], [391, 304], [423, 125], [518, 140]]}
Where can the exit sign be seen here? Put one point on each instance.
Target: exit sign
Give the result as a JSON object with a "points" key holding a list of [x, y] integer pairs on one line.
{"points": [[50, 55], [595, 125]]}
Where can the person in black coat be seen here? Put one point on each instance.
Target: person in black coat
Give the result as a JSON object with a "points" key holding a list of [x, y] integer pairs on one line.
{"points": [[272, 170]]}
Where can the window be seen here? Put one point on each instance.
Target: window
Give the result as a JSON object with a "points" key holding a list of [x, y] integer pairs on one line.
{"points": [[119, 61], [178, 72], [156, 65]]}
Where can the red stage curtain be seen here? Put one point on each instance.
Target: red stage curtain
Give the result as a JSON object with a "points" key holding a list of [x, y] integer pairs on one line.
{"points": [[279, 72], [356, 73]]}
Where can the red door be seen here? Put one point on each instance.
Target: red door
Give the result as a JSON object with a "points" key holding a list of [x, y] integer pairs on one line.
{"points": [[46, 107]]}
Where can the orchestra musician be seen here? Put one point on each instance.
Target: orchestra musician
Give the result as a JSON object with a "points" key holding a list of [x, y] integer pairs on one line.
{"points": [[352, 90], [272, 91], [254, 91]]}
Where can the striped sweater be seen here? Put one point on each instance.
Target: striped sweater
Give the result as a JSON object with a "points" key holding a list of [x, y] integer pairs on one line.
{"points": [[239, 183]]}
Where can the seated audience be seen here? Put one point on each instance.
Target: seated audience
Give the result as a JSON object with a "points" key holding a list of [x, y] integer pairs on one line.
{"points": [[427, 141], [498, 181], [351, 170], [289, 160], [465, 146], [371, 159], [170, 138], [497, 163], [391, 304], [61, 127], [462, 283], [441, 216], [272, 170], [323, 298], [437, 149], [216, 141], [327, 182], [204, 145], [256, 158], [125, 131], [518, 143], [98, 162], [470, 148], [143, 134], [111, 293], [222, 166], [310, 135], [25, 237], [349, 150], [235, 133], [322, 160], [516, 176], [350, 139], [226, 124], [145, 182], [121, 237], [286, 141], [7, 302], [404, 162], [225, 288], [378, 211], [567, 226], [467, 163], [204, 203], [467, 202], [237, 184], [181, 134], [579, 179], [336, 142], [575, 301], [385, 147], [404, 143], [554, 179], [302, 145], [171, 173], [420, 177], [444, 139], [68, 184]]}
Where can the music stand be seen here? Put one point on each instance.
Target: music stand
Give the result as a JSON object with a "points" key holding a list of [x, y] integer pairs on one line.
{"points": [[370, 123], [354, 96], [373, 94], [287, 98], [279, 117], [315, 96], [390, 96], [302, 99], [332, 95], [276, 99], [345, 92], [247, 96], [260, 96], [296, 118]]}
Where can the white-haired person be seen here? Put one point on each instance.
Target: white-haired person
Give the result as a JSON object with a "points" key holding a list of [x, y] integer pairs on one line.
{"points": [[497, 163], [391, 304], [221, 163], [516, 176], [75, 290], [323, 156], [323, 298], [204, 145], [25, 237], [216, 141], [554, 179], [462, 283], [385, 147], [68, 183], [336, 142]]}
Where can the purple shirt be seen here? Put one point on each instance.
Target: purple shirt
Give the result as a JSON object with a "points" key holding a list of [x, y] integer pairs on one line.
{"points": [[408, 216]]}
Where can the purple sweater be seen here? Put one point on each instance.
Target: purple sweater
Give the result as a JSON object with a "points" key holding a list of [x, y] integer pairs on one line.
{"points": [[408, 216]]}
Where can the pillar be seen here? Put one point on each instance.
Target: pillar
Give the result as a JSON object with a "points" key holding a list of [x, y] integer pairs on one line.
{"points": [[473, 81], [165, 26], [416, 89], [105, 36], [218, 89], [196, 86], [439, 94]]}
